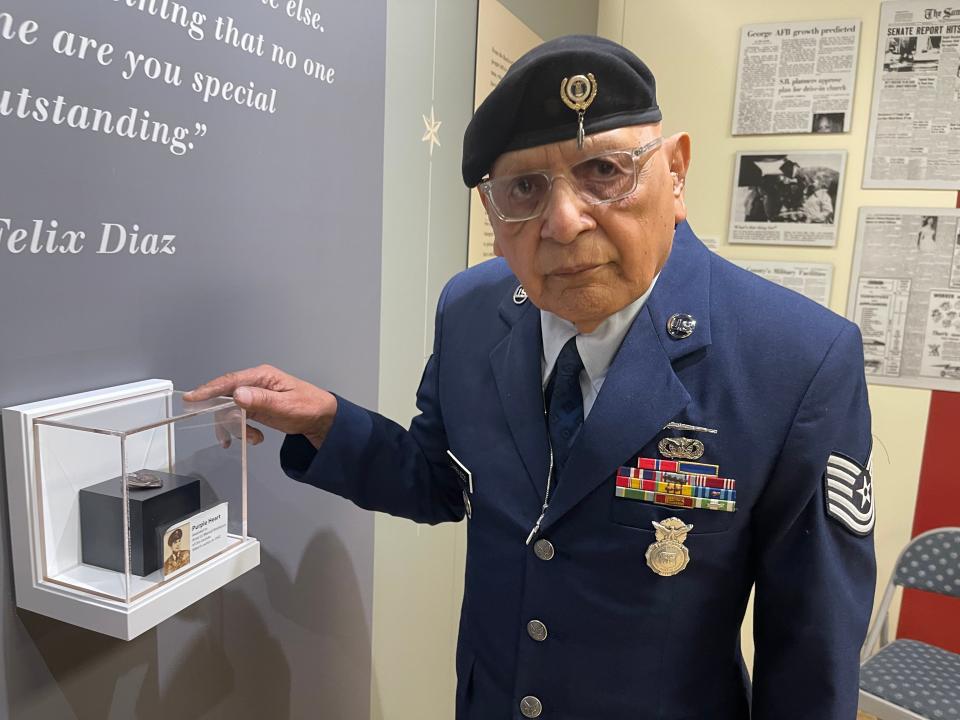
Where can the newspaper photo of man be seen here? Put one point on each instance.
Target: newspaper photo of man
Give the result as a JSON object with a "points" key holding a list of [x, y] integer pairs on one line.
{"points": [[828, 122]]}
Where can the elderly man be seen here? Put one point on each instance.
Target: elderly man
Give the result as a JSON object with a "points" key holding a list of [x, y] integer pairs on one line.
{"points": [[638, 432]]}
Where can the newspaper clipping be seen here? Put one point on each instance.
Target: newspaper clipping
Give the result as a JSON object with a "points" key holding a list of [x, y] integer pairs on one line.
{"points": [[905, 296], [796, 77], [914, 138], [788, 198], [812, 280]]}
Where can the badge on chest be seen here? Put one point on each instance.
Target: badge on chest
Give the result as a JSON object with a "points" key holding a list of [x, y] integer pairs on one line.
{"points": [[668, 555], [682, 484]]}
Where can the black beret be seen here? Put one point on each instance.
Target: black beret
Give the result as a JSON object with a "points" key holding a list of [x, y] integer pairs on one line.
{"points": [[526, 108]]}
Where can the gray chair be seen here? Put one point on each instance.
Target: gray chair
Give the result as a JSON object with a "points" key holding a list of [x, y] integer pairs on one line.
{"points": [[907, 679]]}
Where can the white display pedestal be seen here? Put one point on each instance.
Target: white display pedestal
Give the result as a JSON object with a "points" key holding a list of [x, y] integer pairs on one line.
{"points": [[56, 448]]}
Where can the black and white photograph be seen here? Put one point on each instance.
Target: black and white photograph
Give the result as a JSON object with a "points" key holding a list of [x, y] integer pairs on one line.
{"points": [[788, 188], [828, 122], [927, 236], [788, 198], [912, 54]]}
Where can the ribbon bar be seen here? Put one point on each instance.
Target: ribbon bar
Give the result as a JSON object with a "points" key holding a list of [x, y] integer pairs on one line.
{"points": [[682, 466], [669, 500]]}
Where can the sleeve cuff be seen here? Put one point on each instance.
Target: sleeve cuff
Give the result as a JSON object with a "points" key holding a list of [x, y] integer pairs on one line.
{"points": [[342, 448], [296, 454]]}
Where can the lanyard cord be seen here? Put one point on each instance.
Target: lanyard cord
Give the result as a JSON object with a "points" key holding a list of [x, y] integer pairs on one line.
{"points": [[546, 495], [546, 501]]}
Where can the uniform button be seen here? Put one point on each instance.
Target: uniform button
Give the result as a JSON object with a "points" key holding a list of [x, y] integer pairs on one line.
{"points": [[531, 707], [537, 630], [543, 549]]}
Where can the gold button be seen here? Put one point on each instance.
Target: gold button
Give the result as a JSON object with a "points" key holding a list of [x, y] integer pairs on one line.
{"points": [[543, 549], [537, 630], [531, 707]]}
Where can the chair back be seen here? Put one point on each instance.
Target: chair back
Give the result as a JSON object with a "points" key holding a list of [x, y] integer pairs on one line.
{"points": [[931, 562]]}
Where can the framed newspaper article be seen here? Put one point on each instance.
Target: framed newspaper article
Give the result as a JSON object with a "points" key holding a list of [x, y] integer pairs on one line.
{"points": [[914, 136], [812, 280], [787, 197], [905, 296], [796, 77]]}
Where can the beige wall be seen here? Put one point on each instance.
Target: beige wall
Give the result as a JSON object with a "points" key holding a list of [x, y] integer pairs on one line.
{"points": [[692, 49], [418, 570]]}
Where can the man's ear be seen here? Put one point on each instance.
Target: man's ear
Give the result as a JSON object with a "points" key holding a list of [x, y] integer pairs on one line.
{"points": [[490, 217], [678, 148]]}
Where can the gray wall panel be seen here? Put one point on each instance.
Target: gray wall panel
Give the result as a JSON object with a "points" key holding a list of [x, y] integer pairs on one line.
{"points": [[278, 220]]}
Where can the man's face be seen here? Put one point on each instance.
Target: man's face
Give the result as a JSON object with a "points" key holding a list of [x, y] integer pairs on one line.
{"points": [[585, 262]]}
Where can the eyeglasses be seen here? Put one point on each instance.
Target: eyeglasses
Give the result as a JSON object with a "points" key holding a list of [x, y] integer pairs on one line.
{"points": [[600, 179]]}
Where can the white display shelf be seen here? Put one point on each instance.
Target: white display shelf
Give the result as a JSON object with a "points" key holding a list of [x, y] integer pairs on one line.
{"points": [[43, 488]]}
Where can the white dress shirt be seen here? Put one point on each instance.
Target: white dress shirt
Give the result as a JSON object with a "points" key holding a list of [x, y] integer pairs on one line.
{"points": [[597, 349]]}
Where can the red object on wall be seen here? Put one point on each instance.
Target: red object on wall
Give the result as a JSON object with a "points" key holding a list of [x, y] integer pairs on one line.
{"points": [[924, 616]]}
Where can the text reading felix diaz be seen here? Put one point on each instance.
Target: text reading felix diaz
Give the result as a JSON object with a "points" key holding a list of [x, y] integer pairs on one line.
{"points": [[48, 237]]}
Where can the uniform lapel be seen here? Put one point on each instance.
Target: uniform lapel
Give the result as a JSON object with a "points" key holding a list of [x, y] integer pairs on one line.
{"points": [[516, 368], [641, 392]]}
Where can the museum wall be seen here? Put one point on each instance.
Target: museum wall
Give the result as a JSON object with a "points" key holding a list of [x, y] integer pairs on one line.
{"points": [[275, 257], [692, 49], [418, 570], [430, 55], [290, 250]]}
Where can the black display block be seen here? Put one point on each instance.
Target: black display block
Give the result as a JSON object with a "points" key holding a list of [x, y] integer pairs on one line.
{"points": [[152, 511]]}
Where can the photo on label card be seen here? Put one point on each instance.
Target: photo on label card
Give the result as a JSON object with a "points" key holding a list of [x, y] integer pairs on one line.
{"points": [[176, 548]]}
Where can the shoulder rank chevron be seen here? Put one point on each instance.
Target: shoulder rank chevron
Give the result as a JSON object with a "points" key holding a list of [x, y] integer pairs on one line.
{"points": [[848, 489]]}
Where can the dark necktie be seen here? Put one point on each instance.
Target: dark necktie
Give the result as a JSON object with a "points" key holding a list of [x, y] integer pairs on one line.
{"points": [[564, 402]]}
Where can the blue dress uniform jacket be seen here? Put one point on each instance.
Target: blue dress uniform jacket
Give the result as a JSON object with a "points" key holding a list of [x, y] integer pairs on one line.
{"points": [[779, 377]]}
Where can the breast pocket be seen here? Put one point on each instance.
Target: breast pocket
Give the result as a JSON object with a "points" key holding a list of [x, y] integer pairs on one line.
{"points": [[641, 515]]}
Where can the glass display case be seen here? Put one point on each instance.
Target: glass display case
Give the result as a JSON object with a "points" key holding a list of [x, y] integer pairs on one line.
{"points": [[126, 504]]}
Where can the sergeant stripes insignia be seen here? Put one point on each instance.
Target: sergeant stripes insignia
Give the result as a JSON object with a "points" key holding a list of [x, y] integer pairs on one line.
{"points": [[848, 490]]}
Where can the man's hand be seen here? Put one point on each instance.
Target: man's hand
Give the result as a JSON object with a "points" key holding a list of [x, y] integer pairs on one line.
{"points": [[274, 398]]}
